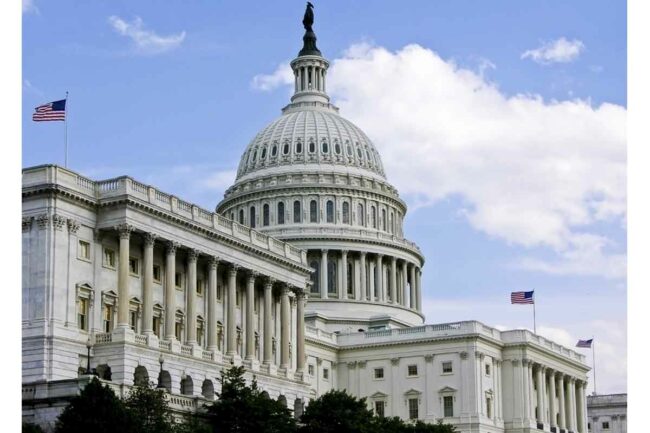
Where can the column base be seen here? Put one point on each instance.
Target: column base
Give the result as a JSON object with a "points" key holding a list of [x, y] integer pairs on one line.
{"points": [[233, 359], [152, 340], [269, 368], [175, 345], [252, 364], [299, 375], [217, 356], [123, 334], [285, 371]]}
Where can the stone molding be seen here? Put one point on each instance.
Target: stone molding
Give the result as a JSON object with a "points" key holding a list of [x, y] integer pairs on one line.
{"points": [[73, 226], [58, 222], [124, 230], [27, 224], [150, 239]]}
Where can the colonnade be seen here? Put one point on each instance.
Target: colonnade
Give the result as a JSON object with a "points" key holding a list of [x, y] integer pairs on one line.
{"points": [[233, 270], [398, 281], [552, 398]]}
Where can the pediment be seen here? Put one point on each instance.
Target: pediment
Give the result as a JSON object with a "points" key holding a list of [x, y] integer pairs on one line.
{"points": [[446, 389], [412, 392], [379, 394]]}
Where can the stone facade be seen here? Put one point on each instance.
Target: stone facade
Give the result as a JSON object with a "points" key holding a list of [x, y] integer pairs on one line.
{"points": [[607, 413]]}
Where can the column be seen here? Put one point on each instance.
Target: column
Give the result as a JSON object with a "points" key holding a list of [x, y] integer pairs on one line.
{"points": [[170, 291], [531, 390], [300, 329], [526, 390], [561, 403], [147, 284], [192, 256], [344, 274], [551, 398], [250, 307], [212, 304], [544, 404], [579, 414], [362, 273], [393, 280], [583, 403], [418, 289], [379, 278], [540, 395], [285, 333], [572, 402], [123, 276], [268, 323], [413, 302], [404, 283], [323, 274], [231, 326]]}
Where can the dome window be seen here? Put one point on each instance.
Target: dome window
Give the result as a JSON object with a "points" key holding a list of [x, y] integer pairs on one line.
{"points": [[299, 147], [254, 156], [346, 212], [337, 148], [324, 147], [383, 219], [360, 215], [349, 148], [252, 217], [281, 212], [241, 216], [285, 148], [313, 211], [274, 150], [330, 211], [359, 153], [263, 153], [265, 215], [373, 217], [296, 212], [312, 147]]}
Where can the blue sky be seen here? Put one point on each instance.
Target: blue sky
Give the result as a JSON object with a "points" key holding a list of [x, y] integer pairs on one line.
{"points": [[171, 100]]}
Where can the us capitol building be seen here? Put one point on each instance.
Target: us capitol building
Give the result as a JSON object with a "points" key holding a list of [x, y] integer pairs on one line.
{"points": [[302, 275]]}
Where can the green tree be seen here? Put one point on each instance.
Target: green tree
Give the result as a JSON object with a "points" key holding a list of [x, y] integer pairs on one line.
{"points": [[337, 412], [149, 410], [422, 427], [97, 410], [246, 409]]}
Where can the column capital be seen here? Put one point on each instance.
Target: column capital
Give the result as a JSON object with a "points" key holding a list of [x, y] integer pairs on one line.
{"points": [[300, 293], [362, 254], [393, 259], [124, 230], [232, 269], [73, 225], [193, 254], [479, 354], [344, 252], [214, 261], [380, 256], [252, 275], [324, 251], [269, 281], [172, 247], [150, 239], [515, 361], [463, 355]]}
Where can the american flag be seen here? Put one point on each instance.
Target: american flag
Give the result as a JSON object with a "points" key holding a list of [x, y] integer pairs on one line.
{"points": [[584, 343], [50, 111], [522, 297]]}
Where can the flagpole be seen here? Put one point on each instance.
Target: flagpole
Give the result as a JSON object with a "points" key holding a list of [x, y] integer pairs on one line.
{"points": [[593, 359], [65, 130]]}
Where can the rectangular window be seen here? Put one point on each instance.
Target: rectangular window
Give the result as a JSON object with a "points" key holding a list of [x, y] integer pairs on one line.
{"points": [[84, 250], [605, 425], [446, 367], [109, 258], [133, 320], [310, 369], [200, 286], [156, 273], [488, 406], [379, 408], [487, 369], [219, 292], [108, 318], [379, 373], [412, 370], [82, 315], [178, 280], [413, 408], [156, 326], [177, 331], [134, 266], [448, 403], [326, 373]]}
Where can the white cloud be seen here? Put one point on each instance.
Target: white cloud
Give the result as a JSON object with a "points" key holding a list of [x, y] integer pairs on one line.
{"points": [[29, 7], [145, 41], [557, 51], [267, 82], [530, 172], [219, 180]]}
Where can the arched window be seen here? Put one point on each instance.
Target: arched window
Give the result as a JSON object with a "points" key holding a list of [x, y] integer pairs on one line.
{"points": [[331, 277], [360, 215], [252, 217], [350, 279], [312, 147], [241, 216], [297, 212], [274, 150], [232, 216], [254, 156], [349, 148], [359, 153], [390, 223], [324, 147], [330, 211], [383, 219], [285, 148], [299, 147], [346, 212], [265, 214], [337, 148], [315, 276], [281, 212], [373, 217], [313, 211], [263, 152]]}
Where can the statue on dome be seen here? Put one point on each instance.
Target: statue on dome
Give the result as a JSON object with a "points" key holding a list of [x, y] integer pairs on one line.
{"points": [[308, 19]]}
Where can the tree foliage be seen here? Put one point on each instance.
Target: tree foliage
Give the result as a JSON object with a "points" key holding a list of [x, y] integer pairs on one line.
{"points": [[148, 410], [337, 412]]}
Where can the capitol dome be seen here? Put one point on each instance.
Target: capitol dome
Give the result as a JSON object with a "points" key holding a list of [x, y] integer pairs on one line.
{"points": [[314, 179]]}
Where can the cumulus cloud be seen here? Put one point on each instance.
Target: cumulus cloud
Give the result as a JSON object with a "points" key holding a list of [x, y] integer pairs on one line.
{"points": [[145, 41], [558, 51], [267, 82], [531, 172]]}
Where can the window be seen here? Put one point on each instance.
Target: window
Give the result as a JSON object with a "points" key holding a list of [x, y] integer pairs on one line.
{"points": [[448, 405], [312, 147], [241, 216], [310, 369], [413, 408], [178, 280], [298, 146], [157, 319], [373, 217], [412, 370], [274, 150], [360, 218], [346, 212], [134, 266], [107, 318], [200, 287], [156, 273], [379, 373], [605, 425], [326, 373], [84, 250], [380, 408], [313, 211], [487, 369], [348, 148], [263, 153], [285, 148], [199, 331], [324, 147], [296, 212], [109, 258], [446, 367], [383, 220], [252, 217], [488, 406], [265, 215], [82, 314], [331, 277], [337, 148], [133, 320], [350, 278], [178, 329], [281, 213], [237, 298], [315, 276], [219, 291], [330, 211]]}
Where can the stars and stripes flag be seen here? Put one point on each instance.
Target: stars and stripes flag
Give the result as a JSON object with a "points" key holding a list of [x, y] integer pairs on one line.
{"points": [[522, 297], [50, 112], [584, 343]]}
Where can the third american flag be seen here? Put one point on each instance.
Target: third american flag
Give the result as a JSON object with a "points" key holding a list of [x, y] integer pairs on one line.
{"points": [[50, 112], [522, 297]]}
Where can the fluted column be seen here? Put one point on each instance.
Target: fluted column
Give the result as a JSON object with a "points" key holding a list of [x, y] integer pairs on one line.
{"points": [[123, 276], [583, 403], [212, 304], [413, 301], [561, 402], [192, 257], [393, 280], [418, 289], [572, 402], [344, 274], [379, 278], [526, 389], [579, 414], [300, 329], [170, 290], [268, 322], [531, 390], [404, 283], [250, 307], [540, 395], [147, 284], [231, 326], [285, 331], [551, 398], [362, 274], [323, 274]]}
